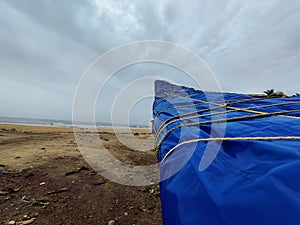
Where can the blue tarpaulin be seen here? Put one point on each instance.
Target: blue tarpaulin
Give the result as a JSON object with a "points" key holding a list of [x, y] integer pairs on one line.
{"points": [[249, 147]]}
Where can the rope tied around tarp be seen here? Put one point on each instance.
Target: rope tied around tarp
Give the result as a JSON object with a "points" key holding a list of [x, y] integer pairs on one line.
{"points": [[186, 116], [279, 138], [181, 117]]}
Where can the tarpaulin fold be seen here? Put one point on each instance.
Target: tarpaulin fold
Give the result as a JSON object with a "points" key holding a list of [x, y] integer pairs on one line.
{"points": [[249, 182]]}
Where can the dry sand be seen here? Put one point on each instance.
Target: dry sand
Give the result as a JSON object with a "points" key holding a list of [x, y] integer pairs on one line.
{"points": [[35, 161]]}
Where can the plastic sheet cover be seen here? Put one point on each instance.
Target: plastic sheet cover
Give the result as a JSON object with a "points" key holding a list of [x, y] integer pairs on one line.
{"points": [[252, 150]]}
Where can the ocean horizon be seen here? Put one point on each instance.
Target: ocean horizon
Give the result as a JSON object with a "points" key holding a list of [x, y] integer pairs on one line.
{"points": [[63, 123]]}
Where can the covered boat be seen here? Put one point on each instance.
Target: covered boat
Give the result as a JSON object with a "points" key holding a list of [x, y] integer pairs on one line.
{"points": [[227, 159]]}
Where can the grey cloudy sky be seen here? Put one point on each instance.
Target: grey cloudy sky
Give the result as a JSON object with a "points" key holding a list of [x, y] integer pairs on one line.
{"points": [[46, 45]]}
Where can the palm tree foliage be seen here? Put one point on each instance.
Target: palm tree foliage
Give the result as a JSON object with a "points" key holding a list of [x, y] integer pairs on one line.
{"points": [[272, 94]]}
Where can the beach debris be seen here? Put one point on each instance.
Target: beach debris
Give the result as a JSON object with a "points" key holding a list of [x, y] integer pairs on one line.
{"points": [[41, 201], [24, 199], [142, 209], [100, 183], [58, 191], [92, 173], [3, 172], [12, 222], [78, 170], [111, 222], [9, 191], [146, 189], [25, 222], [136, 134], [126, 214], [42, 183], [45, 157], [43, 148]]}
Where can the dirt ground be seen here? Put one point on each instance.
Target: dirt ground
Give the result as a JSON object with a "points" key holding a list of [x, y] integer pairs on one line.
{"points": [[45, 180]]}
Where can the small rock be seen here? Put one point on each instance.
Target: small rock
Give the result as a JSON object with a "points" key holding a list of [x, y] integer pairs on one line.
{"points": [[58, 191], [111, 222], [12, 222], [26, 217], [9, 191], [78, 170], [126, 214], [27, 222]]}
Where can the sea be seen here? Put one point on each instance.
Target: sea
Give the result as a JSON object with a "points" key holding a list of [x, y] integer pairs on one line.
{"points": [[63, 123]]}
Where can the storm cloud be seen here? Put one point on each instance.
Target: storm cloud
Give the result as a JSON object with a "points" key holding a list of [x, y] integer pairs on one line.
{"points": [[46, 46]]}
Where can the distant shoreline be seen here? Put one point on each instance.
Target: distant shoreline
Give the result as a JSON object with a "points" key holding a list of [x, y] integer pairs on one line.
{"points": [[65, 123], [12, 127]]}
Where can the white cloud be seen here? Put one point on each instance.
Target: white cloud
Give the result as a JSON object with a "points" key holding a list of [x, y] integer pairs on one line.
{"points": [[122, 15]]}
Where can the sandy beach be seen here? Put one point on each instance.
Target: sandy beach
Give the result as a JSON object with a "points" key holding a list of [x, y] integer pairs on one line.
{"points": [[44, 179]]}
